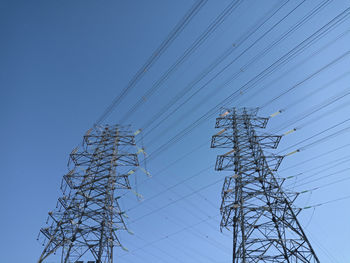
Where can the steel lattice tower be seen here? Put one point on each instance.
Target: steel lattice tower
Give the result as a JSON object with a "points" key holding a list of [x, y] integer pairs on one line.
{"points": [[261, 215], [87, 216]]}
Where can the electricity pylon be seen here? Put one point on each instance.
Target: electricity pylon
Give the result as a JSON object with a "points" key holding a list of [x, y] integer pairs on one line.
{"points": [[260, 214], [87, 217]]}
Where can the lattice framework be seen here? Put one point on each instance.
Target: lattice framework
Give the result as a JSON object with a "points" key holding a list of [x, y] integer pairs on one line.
{"points": [[254, 206], [88, 216]]}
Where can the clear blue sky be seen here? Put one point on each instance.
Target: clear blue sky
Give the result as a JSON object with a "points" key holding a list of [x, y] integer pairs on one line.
{"points": [[62, 63]]}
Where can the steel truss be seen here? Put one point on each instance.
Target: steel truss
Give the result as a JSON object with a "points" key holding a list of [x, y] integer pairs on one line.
{"points": [[88, 216], [254, 206]]}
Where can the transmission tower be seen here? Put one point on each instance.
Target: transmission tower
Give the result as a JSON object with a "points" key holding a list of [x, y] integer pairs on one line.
{"points": [[87, 217], [260, 214]]}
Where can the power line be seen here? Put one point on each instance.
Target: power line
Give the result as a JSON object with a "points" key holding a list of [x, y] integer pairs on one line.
{"points": [[188, 52], [329, 165], [173, 186], [279, 129], [252, 82], [154, 57], [176, 232], [326, 176], [328, 202], [316, 108], [215, 182], [177, 200], [176, 220], [291, 30], [319, 133], [213, 65], [311, 76], [201, 145], [316, 157]]}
